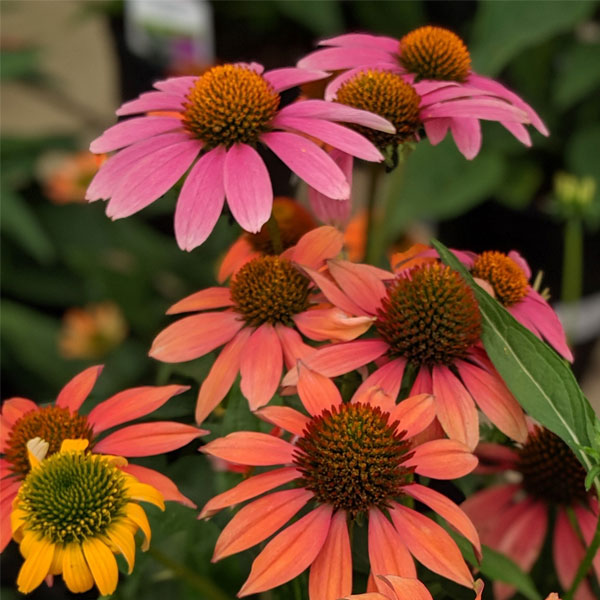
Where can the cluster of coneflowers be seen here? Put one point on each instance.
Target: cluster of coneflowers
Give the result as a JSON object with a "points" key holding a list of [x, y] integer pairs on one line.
{"points": [[293, 314]]}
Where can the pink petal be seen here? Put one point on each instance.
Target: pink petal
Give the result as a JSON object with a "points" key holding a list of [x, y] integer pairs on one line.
{"points": [[248, 187], [521, 262], [495, 458], [317, 392], [258, 520], [201, 200], [213, 297], [332, 111], [289, 553], [495, 400], [261, 364], [519, 131], [9, 491], [221, 375], [444, 93], [382, 42], [318, 245], [14, 408], [131, 404], [436, 129], [251, 448], [442, 459], [331, 324], [249, 488], [387, 378], [359, 283], [387, 552], [289, 77], [195, 336], [431, 545], [150, 101], [151, 177], [333, 293], [336, 59], [455, 408], [78, 389], [415, 414], [588, 520], [131, 131], [334, 135], [162, 483], [285, 417], [467, 136], [294, 348], [331, 572], [176, 85], [446, 509], [148, 439], [237, 256], [475, 108], [309, 162]]}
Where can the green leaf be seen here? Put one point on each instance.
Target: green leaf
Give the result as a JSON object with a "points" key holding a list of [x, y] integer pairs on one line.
{"points": [[578, 75], [540, 379], [19, 64], [502, 30], [321, 18]]}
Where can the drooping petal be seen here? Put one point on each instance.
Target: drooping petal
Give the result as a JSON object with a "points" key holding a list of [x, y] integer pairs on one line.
{"points": [[467, 136], [387, 552], [294, 349], [519, 131], [195, 336], [436, 129], [317, 392], [159, 481], [455, 407], [442, 459], [131, 404], [414, 414], [212, 297], [121, 536], [150, 101], [148, 439], [261, 364], [388, 378], [331, 324], [331, 572], [251, 448], [431, 545], [75, 571], [290, 552], [77, 390], [258, 520], [285, 417], [102, 564], [131, 131], [249, 488], [318, 245], [201, 200], [476, 108], [136, 514], [309, 162], [288, 77], [333, 293], [36, 565]]}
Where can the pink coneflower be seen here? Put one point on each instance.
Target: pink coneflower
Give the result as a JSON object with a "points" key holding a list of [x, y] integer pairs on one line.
{"points": [[438, 58], [348, 460], [23, 420], [267, 302], [508, 279], [427, 317], [513, 517], [223, 115]]}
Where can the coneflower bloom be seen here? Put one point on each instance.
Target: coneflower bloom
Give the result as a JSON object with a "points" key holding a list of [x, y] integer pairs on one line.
{"points": [[426, 316], [513, 518], [73, 512], [347, 460], [267, 302], [293, 221], [439, 59], [222, 116], [508, 277], [23, 420]]}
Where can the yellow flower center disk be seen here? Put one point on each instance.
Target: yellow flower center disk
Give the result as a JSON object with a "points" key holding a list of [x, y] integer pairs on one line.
{"points": [[387, 95], [430, 316], [435, 53], [269, 289], [503, 274], [72, 496], [230, 104], [551, 472], [352, 458], [51, 423], [293, 221]]}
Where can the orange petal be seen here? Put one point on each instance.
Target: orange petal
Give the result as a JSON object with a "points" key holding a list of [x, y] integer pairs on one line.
{"points": [[294, 349], [415, 414], [388, 378], [442, 459], [317, 245], [237, 256], [13, 409], [331, 324], [159, 481], [251, 448], [285, 417], [78, 389], [317, 392], [406, 587], [212, 297]]}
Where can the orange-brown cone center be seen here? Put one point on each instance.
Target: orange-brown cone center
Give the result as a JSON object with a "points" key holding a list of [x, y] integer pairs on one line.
{"points": [[503, 274]]}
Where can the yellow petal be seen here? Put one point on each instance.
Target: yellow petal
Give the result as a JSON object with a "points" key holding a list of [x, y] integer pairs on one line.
{"points": [[74, 445], [136, 513], [27, 543], [145, 493], [102, 564], [36, 566], [75, 571], [116, 461], [17, 519], [121, 536], [57, 561]]}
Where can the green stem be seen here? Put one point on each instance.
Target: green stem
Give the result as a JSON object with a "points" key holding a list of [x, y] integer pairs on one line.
{"points": [[206, 588], [275, 235], [572, 275], [372, 244], [586, 563]]}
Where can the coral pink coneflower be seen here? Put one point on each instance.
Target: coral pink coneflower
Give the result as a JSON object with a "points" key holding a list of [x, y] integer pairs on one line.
{"points": [[267, 302], [23, 420], [513, 518], [438, 59], [426, 316], [223, 115], [347, 460]]}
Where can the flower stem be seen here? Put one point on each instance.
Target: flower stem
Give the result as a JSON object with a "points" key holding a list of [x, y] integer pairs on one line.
{"points": [[274, 234], [572, 275], [206, 588]]}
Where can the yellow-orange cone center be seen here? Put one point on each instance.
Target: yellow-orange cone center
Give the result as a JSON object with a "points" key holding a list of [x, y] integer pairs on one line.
{"points": [[503, 274]]}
